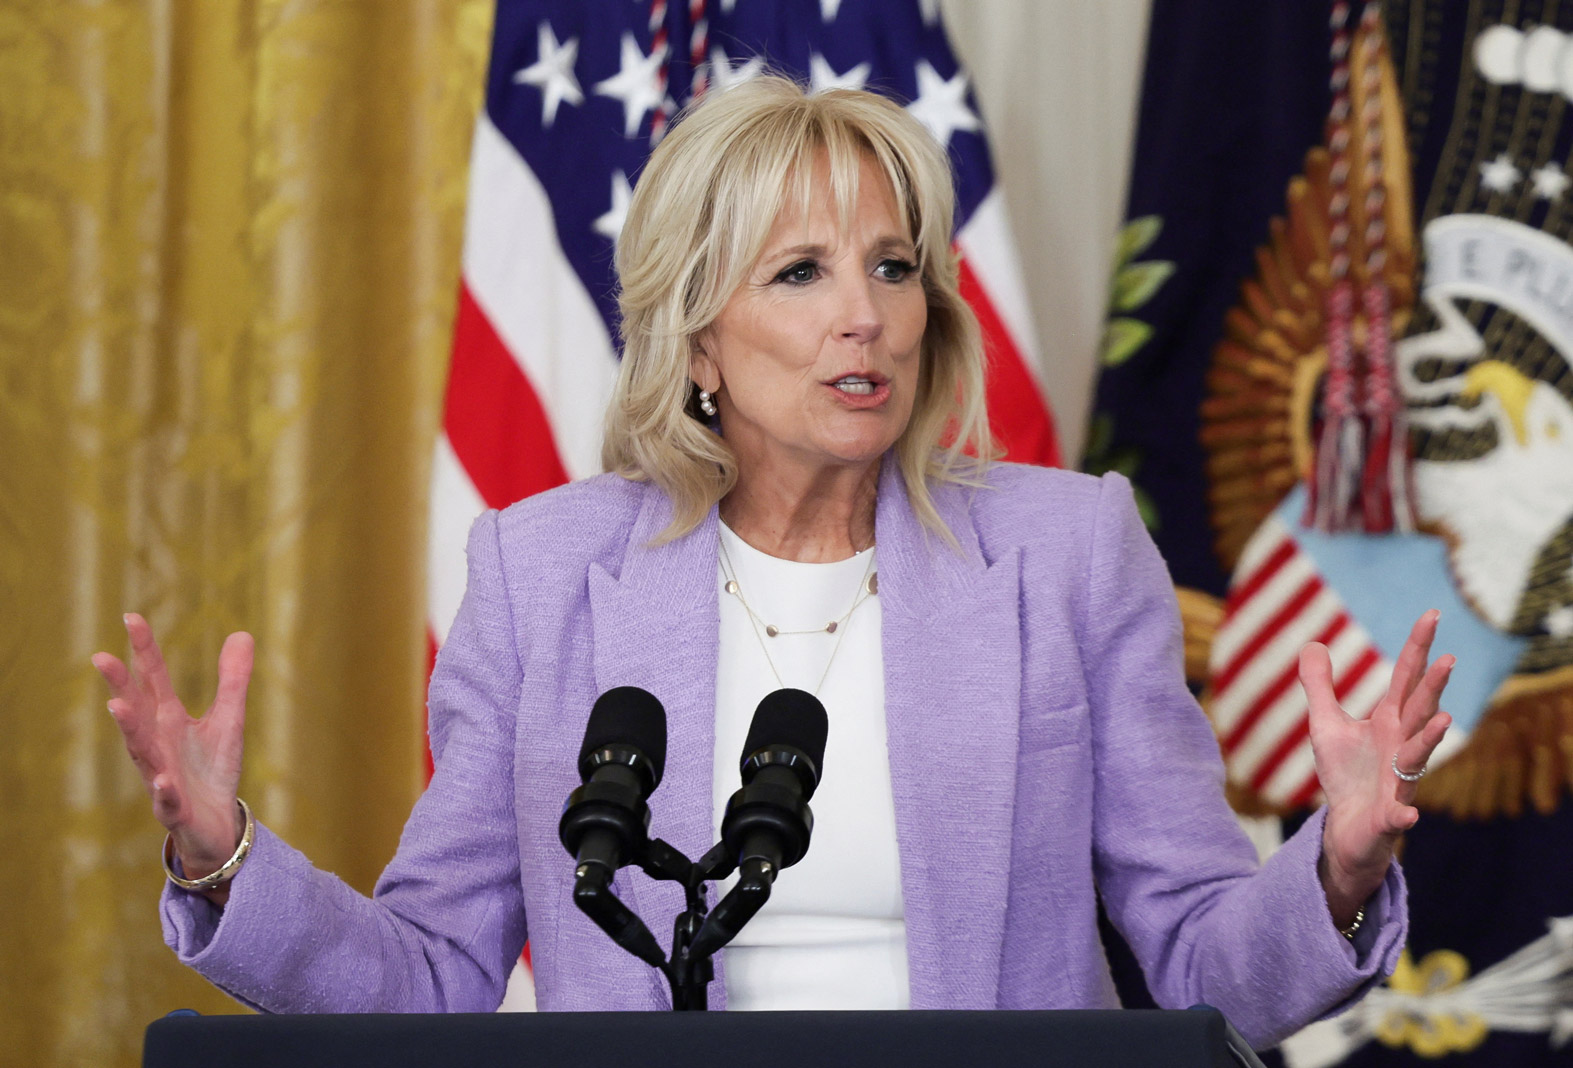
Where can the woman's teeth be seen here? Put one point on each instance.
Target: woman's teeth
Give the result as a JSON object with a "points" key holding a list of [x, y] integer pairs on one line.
{"points": [[854, 385]]}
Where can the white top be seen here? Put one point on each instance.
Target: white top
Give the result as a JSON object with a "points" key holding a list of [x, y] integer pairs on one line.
{"points": [[833, 934]]}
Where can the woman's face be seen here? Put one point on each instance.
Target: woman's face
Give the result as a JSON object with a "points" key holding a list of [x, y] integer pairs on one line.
{"points": [[814, 360]]}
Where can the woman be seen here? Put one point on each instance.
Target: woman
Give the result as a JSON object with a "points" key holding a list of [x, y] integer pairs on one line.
{"points": [[799, 495]]}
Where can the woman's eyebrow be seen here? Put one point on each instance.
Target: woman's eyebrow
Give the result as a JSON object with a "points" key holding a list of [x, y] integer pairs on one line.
{"points": [[887, 243], [797, 250]]}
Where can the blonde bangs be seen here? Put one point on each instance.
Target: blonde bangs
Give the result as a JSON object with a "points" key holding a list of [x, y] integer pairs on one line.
{"points": [[698, 221]]}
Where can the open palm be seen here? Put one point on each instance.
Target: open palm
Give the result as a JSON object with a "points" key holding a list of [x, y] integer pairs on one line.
{"points": [[1368, 805], [191, 767]]}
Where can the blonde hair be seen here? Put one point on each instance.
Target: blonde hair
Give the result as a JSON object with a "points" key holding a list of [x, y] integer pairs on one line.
{"points": [[697, 223]]}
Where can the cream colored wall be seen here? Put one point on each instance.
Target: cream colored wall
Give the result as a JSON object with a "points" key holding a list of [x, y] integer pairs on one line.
{"points": [[1058, 82]]}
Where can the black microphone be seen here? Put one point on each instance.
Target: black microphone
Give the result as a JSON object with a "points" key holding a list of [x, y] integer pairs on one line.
{"points": [[605, 822], [769, 818], [767, 824]]}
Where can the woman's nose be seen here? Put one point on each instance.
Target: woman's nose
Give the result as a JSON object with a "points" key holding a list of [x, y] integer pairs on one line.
{"points": [[859, 317]]}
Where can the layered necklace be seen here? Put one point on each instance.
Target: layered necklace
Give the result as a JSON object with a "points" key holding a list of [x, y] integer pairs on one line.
{"points": [[867, 587]]}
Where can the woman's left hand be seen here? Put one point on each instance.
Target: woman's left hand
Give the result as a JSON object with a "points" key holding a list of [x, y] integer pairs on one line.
{"points": [[1368, 806]]}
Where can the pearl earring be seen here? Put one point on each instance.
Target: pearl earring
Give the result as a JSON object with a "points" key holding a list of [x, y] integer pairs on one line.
{"points": [[707, 403]]}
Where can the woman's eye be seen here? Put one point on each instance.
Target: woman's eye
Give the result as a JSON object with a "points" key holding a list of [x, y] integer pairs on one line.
{"points": [[895, 270], [799, 273]]}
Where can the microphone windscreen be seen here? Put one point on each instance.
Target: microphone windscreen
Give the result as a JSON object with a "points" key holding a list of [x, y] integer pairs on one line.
{"points": [[790, 717], [628, 716]]}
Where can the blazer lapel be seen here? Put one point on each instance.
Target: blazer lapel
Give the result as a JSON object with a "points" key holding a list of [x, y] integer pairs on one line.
{"points": [[952, 653]]}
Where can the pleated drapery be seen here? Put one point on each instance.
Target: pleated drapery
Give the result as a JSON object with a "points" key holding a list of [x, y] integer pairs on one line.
{"points": [[229, 235]]}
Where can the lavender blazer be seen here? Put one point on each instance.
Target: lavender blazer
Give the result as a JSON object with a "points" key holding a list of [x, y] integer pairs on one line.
{"points": [[1043, 749]]}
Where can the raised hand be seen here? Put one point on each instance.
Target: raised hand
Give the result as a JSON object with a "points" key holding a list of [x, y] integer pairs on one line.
{"points": [[1368, 806], [191, 767]]}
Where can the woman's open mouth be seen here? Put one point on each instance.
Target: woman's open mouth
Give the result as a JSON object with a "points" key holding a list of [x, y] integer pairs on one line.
{"points": [[855, 384], [861, 391]]}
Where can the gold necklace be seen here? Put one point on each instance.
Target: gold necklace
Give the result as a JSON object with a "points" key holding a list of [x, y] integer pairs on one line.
{"points": [[868, 587]]}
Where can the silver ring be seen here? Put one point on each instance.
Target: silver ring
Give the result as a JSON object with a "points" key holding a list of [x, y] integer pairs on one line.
{"points": [[1408, 776]]}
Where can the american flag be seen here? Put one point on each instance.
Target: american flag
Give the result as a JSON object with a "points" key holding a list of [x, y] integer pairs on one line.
{"points": [[577, 94]]}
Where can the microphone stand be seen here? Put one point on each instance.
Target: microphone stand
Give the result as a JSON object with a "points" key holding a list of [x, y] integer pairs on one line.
{"points": [[688, 976], [696, 936]]}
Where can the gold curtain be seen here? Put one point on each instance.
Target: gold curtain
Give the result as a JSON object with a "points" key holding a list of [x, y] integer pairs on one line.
{"points": [[229, 238]]}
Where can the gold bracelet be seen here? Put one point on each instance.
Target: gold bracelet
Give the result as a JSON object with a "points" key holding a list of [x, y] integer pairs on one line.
{"points": [[1354, 924], [230, 866]]}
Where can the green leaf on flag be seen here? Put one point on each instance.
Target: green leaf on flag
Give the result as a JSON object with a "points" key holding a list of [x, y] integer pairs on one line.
{"points": [[1134, 237], [1121, 338], [1135, 285]]}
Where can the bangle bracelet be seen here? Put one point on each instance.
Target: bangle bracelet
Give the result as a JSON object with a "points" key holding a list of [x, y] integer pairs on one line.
{"points": [[230, 866], [1354, 924]]}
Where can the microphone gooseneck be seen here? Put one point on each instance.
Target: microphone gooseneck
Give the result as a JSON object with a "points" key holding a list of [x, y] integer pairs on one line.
{"points": [[605, 822]]}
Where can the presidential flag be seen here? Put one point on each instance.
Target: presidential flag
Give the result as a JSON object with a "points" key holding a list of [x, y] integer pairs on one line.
{"points": [[578, 93], [1420, 151]]}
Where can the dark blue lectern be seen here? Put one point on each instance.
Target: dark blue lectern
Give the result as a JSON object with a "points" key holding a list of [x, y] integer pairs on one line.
{"points": [[1195, 1038]]}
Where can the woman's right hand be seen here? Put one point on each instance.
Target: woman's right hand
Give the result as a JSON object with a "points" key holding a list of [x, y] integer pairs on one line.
{"points": [[191, 767]]}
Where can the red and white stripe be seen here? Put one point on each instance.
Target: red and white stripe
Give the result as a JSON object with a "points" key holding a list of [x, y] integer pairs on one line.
{"points": [[1277, 603], [992, 284]]}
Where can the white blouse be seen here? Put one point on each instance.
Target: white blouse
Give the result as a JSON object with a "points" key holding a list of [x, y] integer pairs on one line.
{"points": [[833, 934]]}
